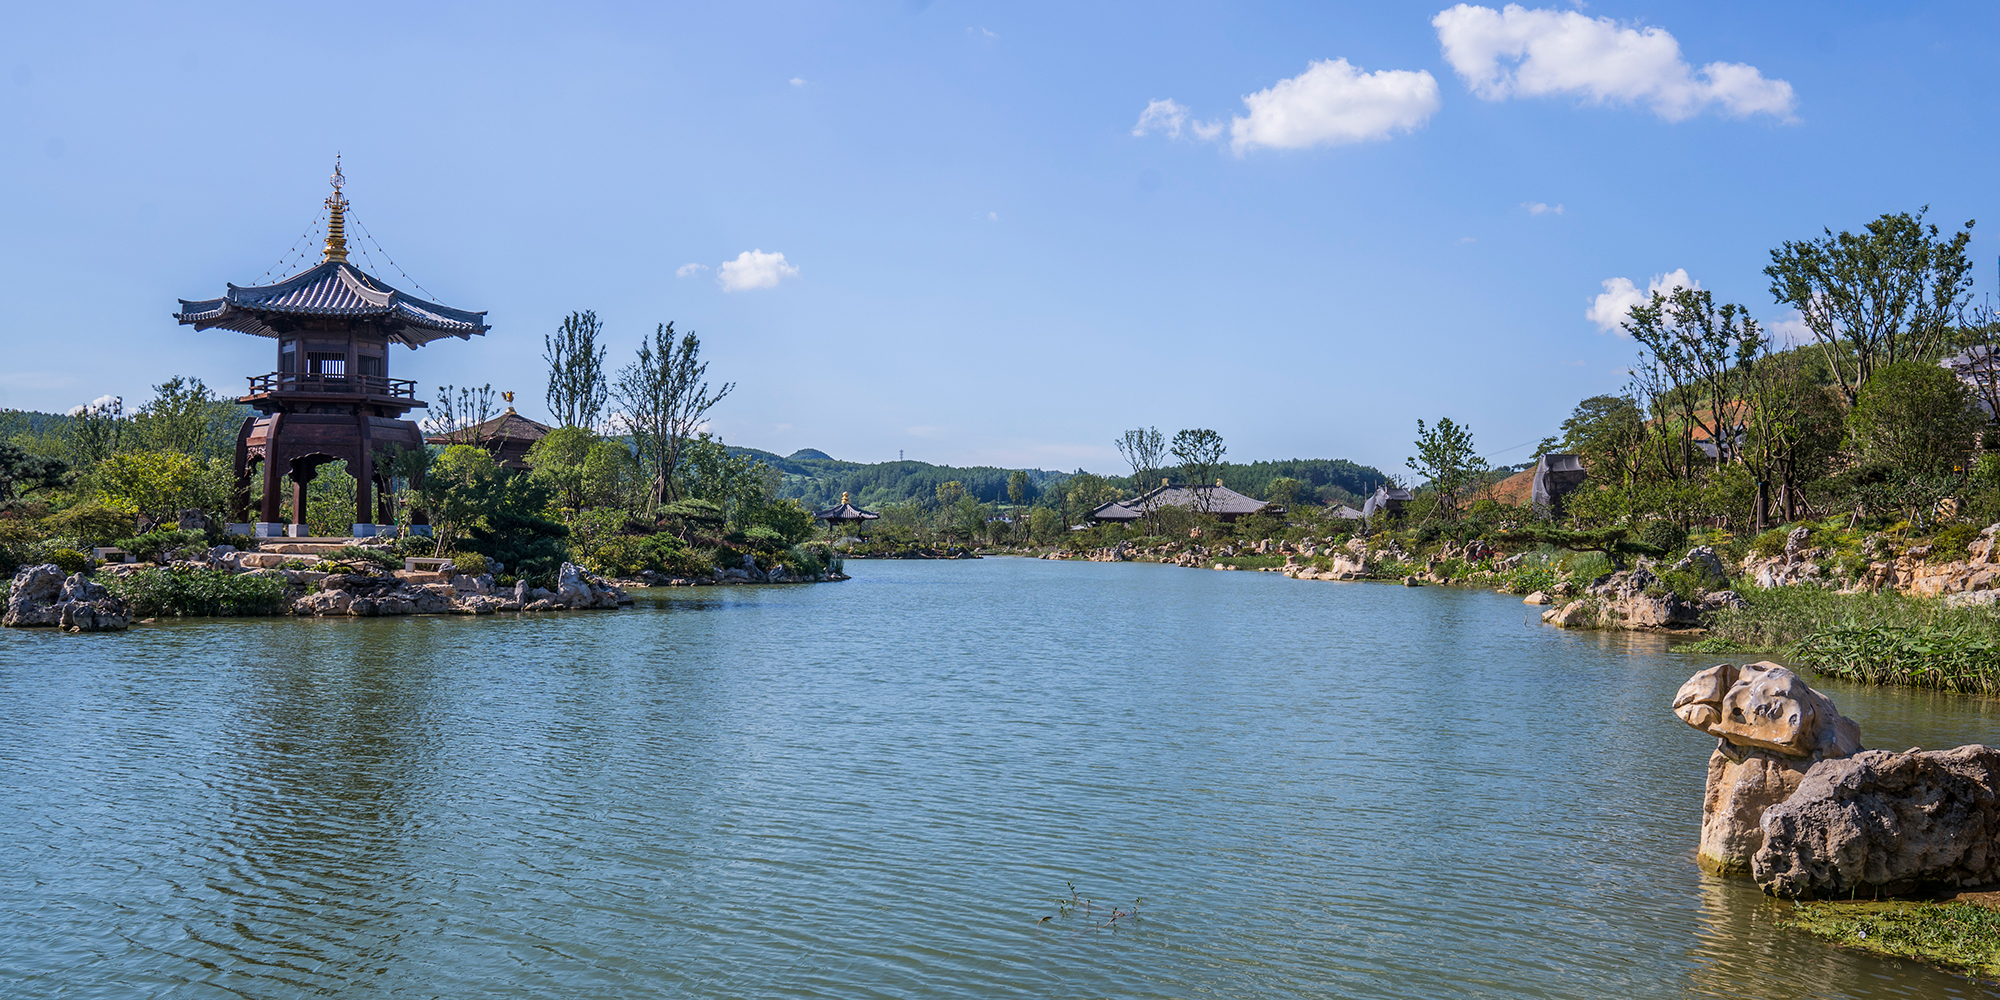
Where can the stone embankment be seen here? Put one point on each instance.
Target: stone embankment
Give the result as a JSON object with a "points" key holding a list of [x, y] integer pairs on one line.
{"points": [[408, 593], [1793, 800]]}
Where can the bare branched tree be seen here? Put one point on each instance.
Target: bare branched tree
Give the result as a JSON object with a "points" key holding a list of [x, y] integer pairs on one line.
{"points": [[1142, 447], [461, 415], [1199, 451], [577, 390], [664, 396]]}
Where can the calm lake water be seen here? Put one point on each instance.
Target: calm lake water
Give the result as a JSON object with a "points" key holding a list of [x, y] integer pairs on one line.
{"points": [[881, 788]]}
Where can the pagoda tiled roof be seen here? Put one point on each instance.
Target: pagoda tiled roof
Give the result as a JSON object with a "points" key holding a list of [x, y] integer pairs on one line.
{"points": [[336, 289], [1217, 499], [508, 426]]}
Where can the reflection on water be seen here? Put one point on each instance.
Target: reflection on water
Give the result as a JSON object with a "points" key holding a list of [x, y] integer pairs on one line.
{"points": [[879, 788]]}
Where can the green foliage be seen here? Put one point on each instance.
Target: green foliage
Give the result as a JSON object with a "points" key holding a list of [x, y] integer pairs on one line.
{"points": [[470, 563], [1612, 543], [1447, 463], [159, 483], [181, 591], [154, 544], [1915, 417], [1950, 544], [94, 523], [1961, 937], [1668, 537], [22, 472], [788, 520], [67, 560], [185, 416], [1771, 543]]}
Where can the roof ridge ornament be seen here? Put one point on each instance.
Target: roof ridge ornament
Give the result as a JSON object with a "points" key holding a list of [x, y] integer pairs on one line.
{"points": [[336, 226]]}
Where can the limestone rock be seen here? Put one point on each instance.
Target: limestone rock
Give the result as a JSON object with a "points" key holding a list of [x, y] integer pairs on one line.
{"points": [[1705, 565], [1771, 732], [1742, 786], [1538, 597], [1766, 706], [1637, 599], [31, 602], [1883, 822], [1575, 614], [477, 604], [324, 602], [571, 588]]}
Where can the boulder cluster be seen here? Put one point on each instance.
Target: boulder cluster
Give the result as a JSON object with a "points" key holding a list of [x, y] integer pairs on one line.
{"points": [[42, 597], [363, 596], [1795, 802]]}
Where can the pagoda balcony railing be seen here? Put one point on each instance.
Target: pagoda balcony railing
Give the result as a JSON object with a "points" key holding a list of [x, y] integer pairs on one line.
{"points": [[337, 385]]}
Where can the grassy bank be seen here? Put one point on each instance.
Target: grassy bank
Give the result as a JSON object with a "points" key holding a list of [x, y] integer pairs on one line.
{"points": [[1886, 638], [1961, 937]]}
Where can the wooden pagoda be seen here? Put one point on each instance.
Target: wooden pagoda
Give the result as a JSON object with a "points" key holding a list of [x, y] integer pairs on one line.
{"points": [[331, 398]]}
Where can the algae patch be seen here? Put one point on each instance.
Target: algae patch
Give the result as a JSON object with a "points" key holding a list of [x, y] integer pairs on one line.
{"points": [[1961, 937]]}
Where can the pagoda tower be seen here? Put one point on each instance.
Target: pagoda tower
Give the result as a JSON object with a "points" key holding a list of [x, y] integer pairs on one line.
{"points": [[331, 398]]}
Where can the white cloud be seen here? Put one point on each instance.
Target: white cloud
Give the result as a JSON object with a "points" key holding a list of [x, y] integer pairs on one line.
{"points": [[1206, 131], [1789, 331], [981, 33], [689, 270], [1609, 309], [1162, 116], [1466, 239], [754, 269], [798, 81], [1541, 208], [993, 216], [1333, 103], [1517, 52]]}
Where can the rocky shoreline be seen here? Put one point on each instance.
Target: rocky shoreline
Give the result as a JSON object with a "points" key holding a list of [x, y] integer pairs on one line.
{"points": [[41, 596]]}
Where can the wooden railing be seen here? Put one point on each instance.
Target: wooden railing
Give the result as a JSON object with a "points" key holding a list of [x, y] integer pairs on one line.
{"points": [[342, 385]]}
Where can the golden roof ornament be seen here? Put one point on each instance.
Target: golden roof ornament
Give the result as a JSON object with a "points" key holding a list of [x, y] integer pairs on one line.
{"points": [[843, 496], [509, 397], [336, 225]]}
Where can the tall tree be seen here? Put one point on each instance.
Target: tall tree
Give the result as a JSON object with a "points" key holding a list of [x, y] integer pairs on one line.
{"points": [[1447, 462], [577, 390], [1199, 452], [665, 396], [1874, 298], [96, 430], [1142, 449], [1693, 343], [185, 416], [1607, 432]]}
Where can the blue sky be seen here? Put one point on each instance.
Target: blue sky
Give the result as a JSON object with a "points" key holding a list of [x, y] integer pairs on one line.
{"points": [[982, 263]]}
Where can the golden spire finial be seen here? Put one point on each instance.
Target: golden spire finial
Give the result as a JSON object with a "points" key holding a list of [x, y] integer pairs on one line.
{"points": [[509, 397], [336, 225], [843, 496]]}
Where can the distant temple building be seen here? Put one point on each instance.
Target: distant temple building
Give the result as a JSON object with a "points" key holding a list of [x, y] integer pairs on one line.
{"points": [[508, 436], [331, 398], [1389, 500], [1226, 504], [1556, 477]]}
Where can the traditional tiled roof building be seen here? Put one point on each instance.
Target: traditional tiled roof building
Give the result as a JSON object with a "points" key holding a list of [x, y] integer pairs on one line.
{"points": [[1219, 500]]}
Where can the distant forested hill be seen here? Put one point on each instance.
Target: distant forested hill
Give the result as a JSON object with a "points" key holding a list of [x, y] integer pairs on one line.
{"points": [[817, 479]]}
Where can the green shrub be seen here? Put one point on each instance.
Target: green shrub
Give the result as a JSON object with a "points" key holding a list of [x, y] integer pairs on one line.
{"points": [[67, 560], [94, 523], [150, 546], [1667, 535], [1949, 545], [470, 563], [1770, 543], [180, 591]]}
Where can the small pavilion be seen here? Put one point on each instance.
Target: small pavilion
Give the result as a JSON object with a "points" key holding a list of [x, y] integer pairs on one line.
{"points": [[331, 398], [844, 513]]}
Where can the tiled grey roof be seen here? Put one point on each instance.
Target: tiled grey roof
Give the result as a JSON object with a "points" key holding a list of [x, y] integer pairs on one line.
{"points": [[1212, 499], [335, 288]]}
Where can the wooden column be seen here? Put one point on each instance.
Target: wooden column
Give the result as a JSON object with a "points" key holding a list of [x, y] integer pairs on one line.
{"points": [[364, 468], [273, 474]]}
